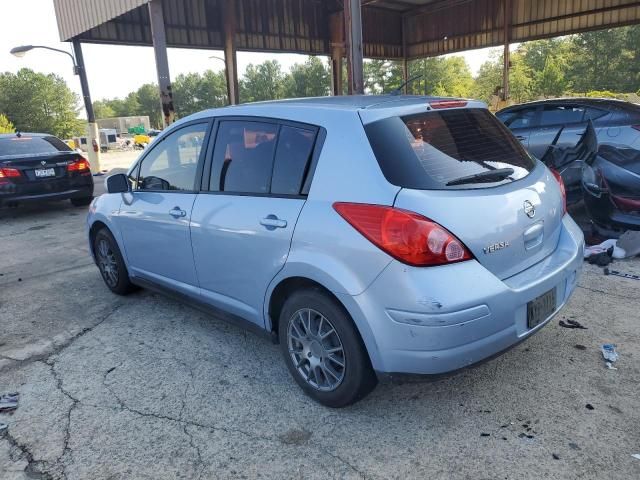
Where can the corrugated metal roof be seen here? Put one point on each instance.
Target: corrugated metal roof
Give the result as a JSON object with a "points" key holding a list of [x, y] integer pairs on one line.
{"points": [[431, 27], [76, 17]]}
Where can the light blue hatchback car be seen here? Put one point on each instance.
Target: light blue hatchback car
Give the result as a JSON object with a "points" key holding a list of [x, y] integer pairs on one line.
{"points": [[368, 235]]}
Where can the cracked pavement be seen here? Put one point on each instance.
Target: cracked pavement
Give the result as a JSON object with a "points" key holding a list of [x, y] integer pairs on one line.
{"points": [[143, 387]]}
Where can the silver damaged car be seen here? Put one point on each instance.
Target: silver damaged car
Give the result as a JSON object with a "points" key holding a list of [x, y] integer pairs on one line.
{"points": [[370, 236]]}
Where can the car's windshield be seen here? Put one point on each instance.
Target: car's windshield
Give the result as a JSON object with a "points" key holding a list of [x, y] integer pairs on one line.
{"points": [[433, 149], [26, 145]]}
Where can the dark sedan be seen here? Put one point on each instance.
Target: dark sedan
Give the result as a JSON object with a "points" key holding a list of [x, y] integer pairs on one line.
{"points": [[36, 166]]}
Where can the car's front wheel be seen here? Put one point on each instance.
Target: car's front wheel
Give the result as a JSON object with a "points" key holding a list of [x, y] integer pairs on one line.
{"points": [[110, 262], [323, 350]]}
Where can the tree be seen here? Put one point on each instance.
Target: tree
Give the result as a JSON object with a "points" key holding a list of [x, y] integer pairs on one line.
{"points": [[5, 124], [441, 76], [102, 109], [382, 76], [147, 102], [309, 79], [193, 92], [262, 82], [36, 102]]}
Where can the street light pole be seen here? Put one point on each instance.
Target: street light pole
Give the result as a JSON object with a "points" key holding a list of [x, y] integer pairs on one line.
{"points": [[93, 147]]}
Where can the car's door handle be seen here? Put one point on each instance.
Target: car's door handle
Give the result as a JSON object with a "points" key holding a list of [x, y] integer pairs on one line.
{"points": [[177, 212], [272, 222], [521, 138]]}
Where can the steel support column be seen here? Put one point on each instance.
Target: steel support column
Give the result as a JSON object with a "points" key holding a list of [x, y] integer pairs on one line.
{"points": [[405, 60], [336, 32], [93, 145], [158, 34], [507, 53], [230, 56], [353, 34]]}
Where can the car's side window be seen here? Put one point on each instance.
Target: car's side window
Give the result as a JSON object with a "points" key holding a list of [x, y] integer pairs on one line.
{"points": [[521, 119], [561, 115], [243, 156], [172, 164], [295, 146]]}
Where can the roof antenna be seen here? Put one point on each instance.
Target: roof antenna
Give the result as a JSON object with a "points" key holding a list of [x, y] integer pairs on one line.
{"points": [[398, 90]]}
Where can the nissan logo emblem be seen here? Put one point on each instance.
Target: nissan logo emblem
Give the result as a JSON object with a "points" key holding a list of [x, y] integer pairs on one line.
{"points": [[529, 209]]}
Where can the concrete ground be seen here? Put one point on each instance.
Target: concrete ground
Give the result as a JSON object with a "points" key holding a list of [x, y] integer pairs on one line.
{"points": [[145, 388]]}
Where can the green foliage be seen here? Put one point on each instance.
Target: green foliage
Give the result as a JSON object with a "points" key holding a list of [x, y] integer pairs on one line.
{"points": [[193, 92], [382, 76], [309, 79], [5, 124], [262, 82], [36, 102], [144, 101], [441, 76]]}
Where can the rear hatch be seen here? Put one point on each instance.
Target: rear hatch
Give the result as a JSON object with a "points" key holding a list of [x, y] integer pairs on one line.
{"points": [[463, 169], [38, 158]]}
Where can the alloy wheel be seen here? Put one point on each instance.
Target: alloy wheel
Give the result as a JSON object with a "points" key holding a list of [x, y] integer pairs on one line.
{"points": [[316, 349]]}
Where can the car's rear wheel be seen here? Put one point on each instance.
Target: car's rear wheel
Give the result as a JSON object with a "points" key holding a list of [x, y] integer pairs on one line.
{"points": [[81, 202], [323, 350], [111, 265]]}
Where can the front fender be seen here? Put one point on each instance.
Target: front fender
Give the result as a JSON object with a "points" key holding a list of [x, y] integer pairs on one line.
{"points": [[105, 209]]}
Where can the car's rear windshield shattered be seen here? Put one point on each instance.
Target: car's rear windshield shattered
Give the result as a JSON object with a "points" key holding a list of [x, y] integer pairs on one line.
{"points": [[440, 149]]}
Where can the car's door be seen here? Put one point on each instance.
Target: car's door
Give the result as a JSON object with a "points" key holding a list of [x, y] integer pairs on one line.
{"points": [[241, 227], [568, 120], [521, 122], [154, 218]]}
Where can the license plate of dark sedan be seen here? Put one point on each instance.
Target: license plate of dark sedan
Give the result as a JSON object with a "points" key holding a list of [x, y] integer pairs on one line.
{"points": [[541, 308], [45, 172]]}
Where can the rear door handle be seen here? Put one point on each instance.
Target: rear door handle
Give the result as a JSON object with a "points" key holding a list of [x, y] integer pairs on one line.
{"points": [[272, 222], [177, 212], [521, 138]]}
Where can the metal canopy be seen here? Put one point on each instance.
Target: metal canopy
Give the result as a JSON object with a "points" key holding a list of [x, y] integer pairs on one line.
{"points": [[431, 27]]}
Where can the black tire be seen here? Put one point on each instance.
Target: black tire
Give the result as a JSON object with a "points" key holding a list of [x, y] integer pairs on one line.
{"points": [[358, 377], [121, 285], [81, 202]]}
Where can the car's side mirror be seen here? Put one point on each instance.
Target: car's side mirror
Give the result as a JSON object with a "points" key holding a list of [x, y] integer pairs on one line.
{"points": [[118, 183]]}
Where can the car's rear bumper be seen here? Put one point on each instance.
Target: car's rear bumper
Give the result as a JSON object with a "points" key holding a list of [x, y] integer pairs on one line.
{"points": [[441, 319], [58, 189]]}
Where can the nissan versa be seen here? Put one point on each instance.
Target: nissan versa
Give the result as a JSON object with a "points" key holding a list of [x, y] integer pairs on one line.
{"points": [[369, 235]]}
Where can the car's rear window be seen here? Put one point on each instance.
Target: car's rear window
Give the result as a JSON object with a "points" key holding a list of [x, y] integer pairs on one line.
{"points": [[26, 145], [429, 150]]}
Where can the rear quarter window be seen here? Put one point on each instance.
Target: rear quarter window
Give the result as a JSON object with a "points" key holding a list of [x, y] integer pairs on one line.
{"points": [[428, 150]]}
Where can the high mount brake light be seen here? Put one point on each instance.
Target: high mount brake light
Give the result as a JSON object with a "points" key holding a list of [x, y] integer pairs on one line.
{"points": [[441, 104], [563, 190], [406, 236]]}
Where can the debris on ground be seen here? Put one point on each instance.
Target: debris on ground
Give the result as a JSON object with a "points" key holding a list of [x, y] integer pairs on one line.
{"points": [[629, 241], [602, 259], [3, 428], [588, 406], [609, 352], [621, 274], [571, 324], [9, 402], [555, 456], [636, 456], [577, 346]]}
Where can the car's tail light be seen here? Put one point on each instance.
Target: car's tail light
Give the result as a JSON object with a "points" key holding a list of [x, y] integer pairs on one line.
{"points": [[440, 104], [9, 173], [406, 236], [81, 165], [563, 190]]}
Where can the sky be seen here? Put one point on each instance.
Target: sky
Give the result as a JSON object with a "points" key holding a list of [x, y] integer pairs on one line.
{"points": [[114, 71]]}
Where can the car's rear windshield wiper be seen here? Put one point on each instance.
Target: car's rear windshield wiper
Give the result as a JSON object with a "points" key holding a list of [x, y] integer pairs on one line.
{"points": [[484, 177]]}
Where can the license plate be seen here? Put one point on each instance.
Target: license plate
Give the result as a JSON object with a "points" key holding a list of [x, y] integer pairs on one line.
{"points": [[45, 172], [541, 308]]}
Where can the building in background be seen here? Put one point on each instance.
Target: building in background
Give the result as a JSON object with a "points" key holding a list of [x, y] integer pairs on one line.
{"points": [[126, 125]]}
